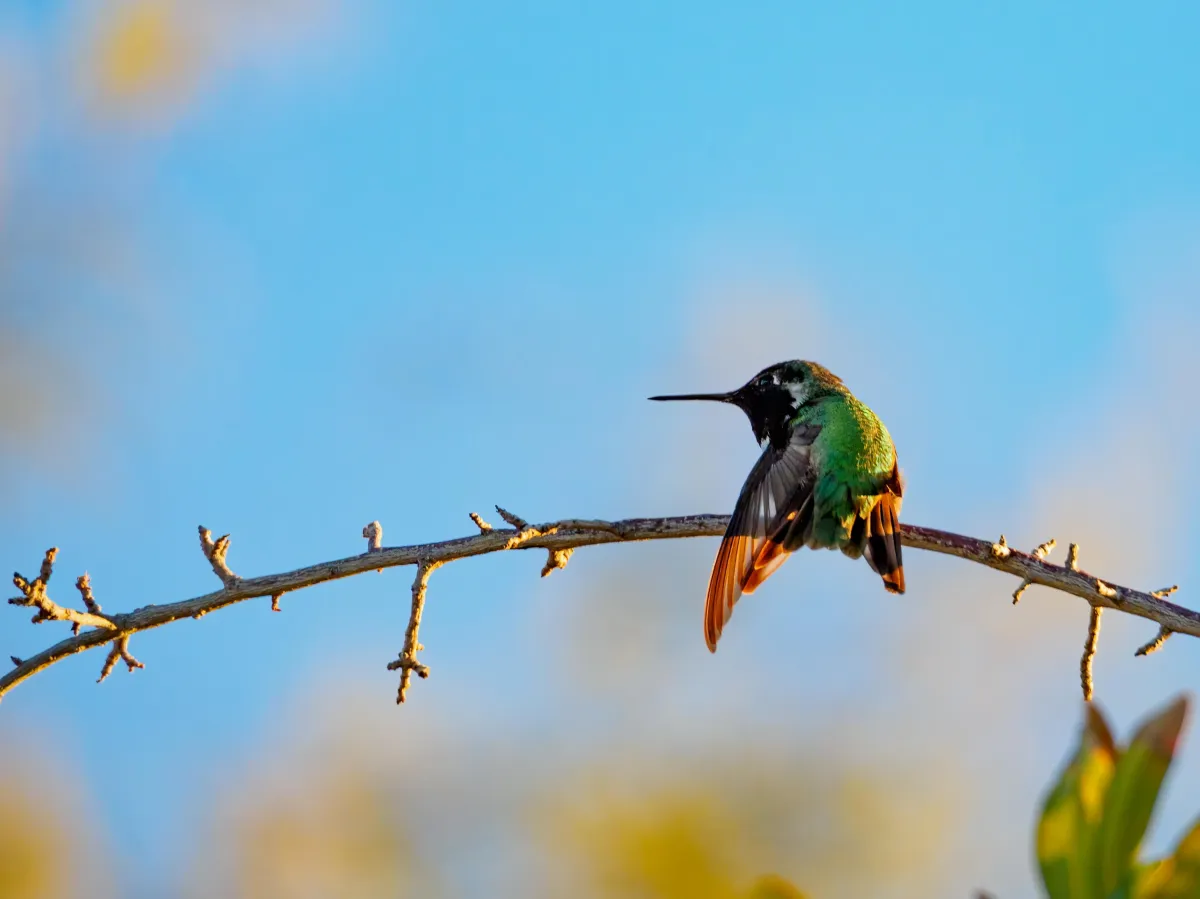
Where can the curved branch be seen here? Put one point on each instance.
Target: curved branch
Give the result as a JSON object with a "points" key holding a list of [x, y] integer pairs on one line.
{"points": [[558, 539]]}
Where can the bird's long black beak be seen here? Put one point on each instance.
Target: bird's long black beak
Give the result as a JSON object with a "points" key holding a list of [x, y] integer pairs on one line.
{"points": [[712, 397]]}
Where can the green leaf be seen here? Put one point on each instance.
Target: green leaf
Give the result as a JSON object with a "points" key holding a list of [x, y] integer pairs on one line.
{"points": [[774, 887], [1131, 796], [1071, 814], [1178, 876], [1141, 880]]}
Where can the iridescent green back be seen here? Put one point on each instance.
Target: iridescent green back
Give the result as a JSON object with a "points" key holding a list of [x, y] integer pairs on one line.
{"points": [[853, 457]]}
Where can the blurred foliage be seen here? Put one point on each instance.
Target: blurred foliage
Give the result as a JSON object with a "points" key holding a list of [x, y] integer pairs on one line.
{"points": [[47, 848], [336, 835], [775, 887], [22, 401], [86, 93], [1096, 814], [705, 830], [140, 49], [340, 826], [30, 838]]}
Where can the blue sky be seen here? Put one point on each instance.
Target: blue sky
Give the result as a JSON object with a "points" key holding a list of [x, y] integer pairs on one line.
{"points": [[414, 260]]}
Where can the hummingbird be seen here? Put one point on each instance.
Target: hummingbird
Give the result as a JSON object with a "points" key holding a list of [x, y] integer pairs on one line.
{"points": [[827, 479]]}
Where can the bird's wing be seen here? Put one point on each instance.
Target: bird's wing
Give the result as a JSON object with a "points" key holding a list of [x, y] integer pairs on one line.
{"points": [[772, 513], [883, 538]]}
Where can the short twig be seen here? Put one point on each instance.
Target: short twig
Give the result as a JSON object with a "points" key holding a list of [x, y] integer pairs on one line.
{"points": [[557, 558], [1020, 591], [407, 663], [515, 520], [214, 551], [483, 526], [1039, 553], [119, 653], [33, 593], [374, 534], [1156, 644], [1073, 557], [1089, 653], [84, 584]]}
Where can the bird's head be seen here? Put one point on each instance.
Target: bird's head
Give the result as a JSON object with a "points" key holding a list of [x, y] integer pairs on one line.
{"points": [[770, 399]]}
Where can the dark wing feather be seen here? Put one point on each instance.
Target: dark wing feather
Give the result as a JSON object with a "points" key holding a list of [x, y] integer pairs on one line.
{"points": [[793, 532], [883, 539], [772, 513]]}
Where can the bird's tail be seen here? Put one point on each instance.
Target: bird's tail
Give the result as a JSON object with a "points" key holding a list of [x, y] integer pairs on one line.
{"points": [[883, 542]]}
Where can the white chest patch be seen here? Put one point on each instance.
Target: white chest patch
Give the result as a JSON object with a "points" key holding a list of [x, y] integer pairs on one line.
{"points": [[799, 393]]}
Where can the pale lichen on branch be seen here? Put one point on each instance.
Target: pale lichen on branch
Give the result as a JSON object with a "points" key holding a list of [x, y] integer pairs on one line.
{"points": [[559, 539]]}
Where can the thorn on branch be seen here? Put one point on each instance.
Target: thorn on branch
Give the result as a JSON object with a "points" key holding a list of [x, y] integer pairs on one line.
{"points": [[1000, 549], [558, 558], [119, 653], [1073, 556], [515, 520], [17, 661], [1156, 644], [483, 526], [1089, 653], [1165, 592], [374, 534], [407, 662], [214, 551], [275, 597]]}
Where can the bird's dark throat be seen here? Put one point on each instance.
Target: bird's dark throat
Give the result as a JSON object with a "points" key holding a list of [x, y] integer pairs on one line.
{"points": [[770, 412]]}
